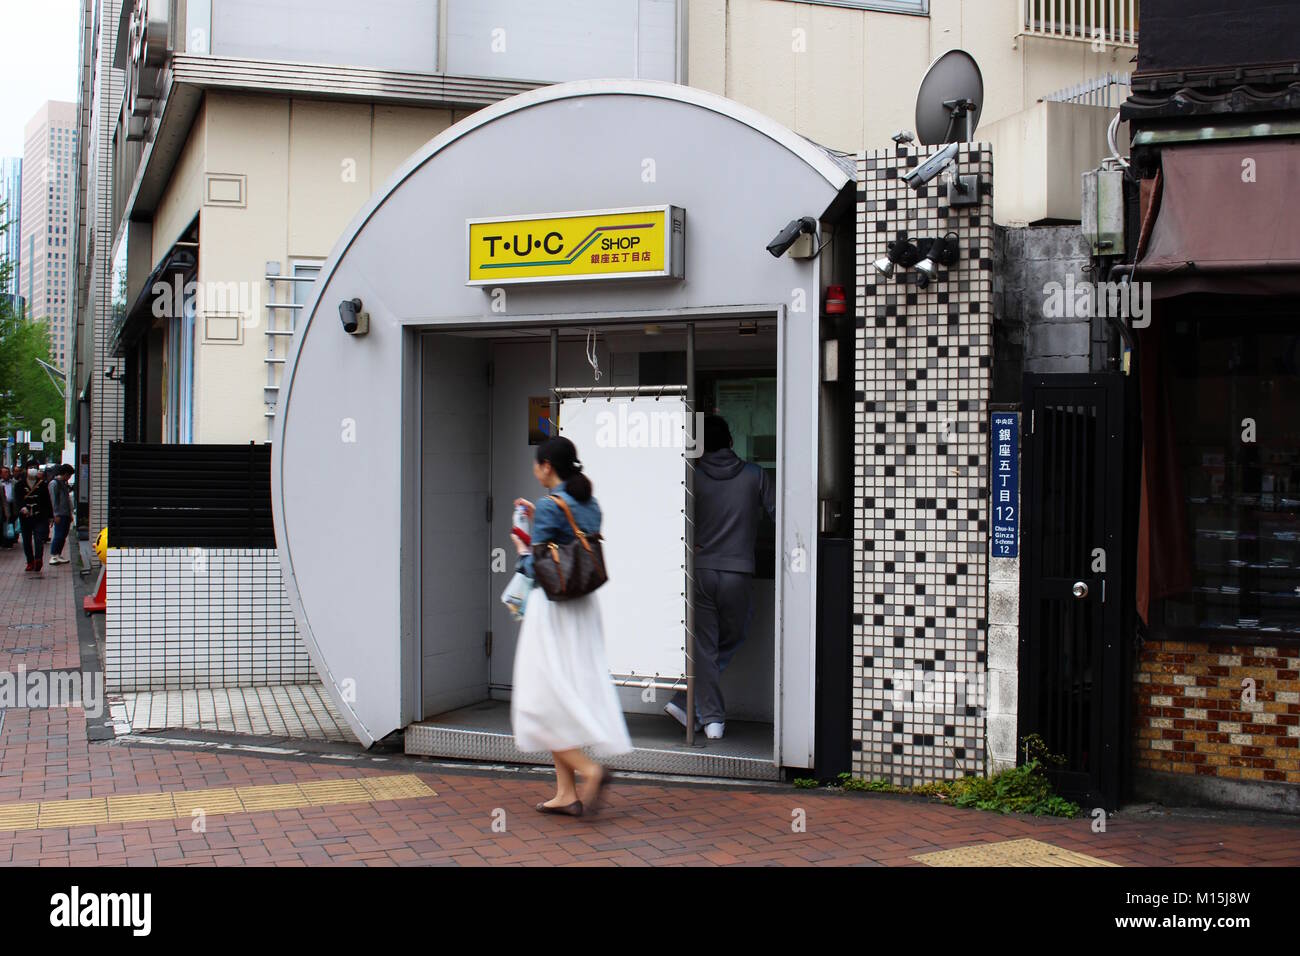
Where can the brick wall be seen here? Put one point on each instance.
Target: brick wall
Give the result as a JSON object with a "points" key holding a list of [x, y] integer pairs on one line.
{"points": [[1191, 718]]}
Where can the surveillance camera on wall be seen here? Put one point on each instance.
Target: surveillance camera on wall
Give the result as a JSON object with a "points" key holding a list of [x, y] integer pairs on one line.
{"points": [[932, 167], [355, 321], [903, 136], [794, 230]]}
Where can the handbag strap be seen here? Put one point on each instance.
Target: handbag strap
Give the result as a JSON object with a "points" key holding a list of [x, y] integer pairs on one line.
{"points": [[577, 532]]}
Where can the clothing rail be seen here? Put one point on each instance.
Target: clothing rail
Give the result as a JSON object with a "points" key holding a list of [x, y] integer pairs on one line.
{"points": [[610, 391]]}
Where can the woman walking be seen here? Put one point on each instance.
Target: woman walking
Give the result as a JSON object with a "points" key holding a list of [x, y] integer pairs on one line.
{"points": [[35, 513], [563, 698]]}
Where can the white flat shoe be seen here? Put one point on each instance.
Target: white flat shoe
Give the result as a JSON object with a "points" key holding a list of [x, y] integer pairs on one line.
{"points": [[677, 714], [714, 731]]}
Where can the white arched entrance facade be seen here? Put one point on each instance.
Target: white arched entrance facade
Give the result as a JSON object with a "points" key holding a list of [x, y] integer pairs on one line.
{"points": [[349, 490]]}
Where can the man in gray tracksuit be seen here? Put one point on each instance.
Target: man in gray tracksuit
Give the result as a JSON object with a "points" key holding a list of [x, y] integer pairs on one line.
{"points": [[730, 498]]}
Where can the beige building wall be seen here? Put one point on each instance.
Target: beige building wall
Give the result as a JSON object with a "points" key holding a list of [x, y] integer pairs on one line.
{"points": [[273, 179], [847, 78]]}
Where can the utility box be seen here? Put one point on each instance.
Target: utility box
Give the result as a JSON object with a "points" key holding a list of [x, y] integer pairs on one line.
{"points": [[1103, 211]]}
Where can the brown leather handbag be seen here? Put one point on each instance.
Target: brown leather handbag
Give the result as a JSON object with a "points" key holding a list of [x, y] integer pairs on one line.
{"points": [[569, 570]]}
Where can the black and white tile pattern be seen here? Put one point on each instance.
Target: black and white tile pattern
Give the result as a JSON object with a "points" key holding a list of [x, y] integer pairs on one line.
{"points": [[923, 362]]}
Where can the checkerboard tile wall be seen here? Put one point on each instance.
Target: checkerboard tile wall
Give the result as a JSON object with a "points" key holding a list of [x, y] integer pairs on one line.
{"points": [[181, 618], [923, 365]]}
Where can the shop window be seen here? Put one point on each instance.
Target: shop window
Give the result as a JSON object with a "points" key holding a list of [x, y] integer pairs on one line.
{"points": [[1234, 389]]}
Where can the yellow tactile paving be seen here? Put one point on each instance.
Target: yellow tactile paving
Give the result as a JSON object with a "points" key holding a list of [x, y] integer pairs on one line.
{"points": [[323, 792], [221, 800], [275, 796], [397, 787], [182, 803], [73, 813], [141, 806], [1010, 853], [19, 816]]}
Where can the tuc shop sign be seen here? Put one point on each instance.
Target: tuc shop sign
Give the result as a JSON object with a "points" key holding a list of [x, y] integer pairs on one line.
{"points": [[594, 244]]}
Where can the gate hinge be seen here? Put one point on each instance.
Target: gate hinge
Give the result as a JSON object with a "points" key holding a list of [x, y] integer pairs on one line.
{"points": [[487, 643], [489, 509], [1032, 417]]}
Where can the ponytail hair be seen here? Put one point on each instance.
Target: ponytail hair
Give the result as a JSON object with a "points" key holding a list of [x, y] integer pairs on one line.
{"points": [[559, 451]]}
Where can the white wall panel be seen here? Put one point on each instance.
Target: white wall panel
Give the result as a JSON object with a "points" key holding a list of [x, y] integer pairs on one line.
{"points": [[633, 447]]}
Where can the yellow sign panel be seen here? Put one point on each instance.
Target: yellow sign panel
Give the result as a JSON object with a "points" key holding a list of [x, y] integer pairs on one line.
{"points": [[597, 244]]}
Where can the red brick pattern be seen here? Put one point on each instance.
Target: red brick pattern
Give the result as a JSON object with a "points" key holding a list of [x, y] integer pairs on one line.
{"points": [[45, 755], [38, 630], [1193, 715]]}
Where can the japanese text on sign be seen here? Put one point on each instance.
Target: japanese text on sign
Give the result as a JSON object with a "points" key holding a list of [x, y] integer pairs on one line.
{"points": [[1006, 484]]}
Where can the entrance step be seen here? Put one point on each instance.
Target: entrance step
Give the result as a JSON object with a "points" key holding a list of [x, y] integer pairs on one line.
{"points": [[482, 732], [298, 711]]}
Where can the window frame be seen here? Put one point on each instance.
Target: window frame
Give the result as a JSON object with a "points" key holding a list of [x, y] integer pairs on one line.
{"points": [[1251, 318], [904, 7]]}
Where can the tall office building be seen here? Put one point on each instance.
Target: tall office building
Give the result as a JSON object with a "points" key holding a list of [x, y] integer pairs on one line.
{"points": [[11, 201], [94, 394], [47, 228]]}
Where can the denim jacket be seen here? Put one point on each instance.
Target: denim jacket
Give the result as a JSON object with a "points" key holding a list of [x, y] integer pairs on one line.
{"points": [[550, 524]]}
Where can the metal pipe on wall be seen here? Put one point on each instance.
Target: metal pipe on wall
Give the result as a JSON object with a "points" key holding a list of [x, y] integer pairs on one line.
{"points": [[551, 428], [689, 528]]}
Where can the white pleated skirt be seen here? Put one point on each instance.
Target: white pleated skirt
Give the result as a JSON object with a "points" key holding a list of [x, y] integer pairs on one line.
{"points": [[563, 697]]}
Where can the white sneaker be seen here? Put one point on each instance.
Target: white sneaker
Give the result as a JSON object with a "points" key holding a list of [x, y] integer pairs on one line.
{"points": [[677, 714], [714, 731], [59, 559]]}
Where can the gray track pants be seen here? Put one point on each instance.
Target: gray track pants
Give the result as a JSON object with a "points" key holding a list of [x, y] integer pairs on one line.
{"points": [[724, 604]]}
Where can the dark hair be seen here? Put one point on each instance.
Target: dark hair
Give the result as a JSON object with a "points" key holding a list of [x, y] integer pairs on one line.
{"points": [[66, 469], [716, 433], [559, 451]]}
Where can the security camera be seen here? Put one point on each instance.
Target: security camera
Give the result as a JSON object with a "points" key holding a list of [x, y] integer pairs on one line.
{"points": [[355, 322], [903, 136], [790, 234], [932, 167]]}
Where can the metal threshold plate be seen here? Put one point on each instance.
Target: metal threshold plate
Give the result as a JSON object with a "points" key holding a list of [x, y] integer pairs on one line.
{"points": [[481, 732]]}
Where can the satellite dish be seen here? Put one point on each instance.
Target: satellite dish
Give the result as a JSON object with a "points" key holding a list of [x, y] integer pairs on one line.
{"points": [[949, 100]]}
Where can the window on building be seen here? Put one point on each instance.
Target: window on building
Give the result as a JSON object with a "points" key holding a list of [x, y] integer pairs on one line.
{"points": [[888, 6], [1234, 387]]}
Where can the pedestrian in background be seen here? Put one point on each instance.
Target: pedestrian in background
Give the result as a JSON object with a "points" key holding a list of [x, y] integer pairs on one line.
{"points": [[563, 698], [35, 512], [8, 510], [61, 502], [731, 495]]}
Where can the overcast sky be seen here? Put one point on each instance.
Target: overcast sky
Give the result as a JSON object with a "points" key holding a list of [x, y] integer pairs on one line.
{"points": [[38, 62]]}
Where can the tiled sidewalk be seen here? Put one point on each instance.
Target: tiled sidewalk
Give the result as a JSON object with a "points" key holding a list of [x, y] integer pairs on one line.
{"points": [[45, 756], [294, 710], [38, 629]]}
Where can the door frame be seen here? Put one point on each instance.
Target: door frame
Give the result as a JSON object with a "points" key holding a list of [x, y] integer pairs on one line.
{"points": [[1110, 715], [797, 346]]}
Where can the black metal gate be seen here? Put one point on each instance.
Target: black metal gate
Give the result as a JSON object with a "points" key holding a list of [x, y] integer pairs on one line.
{"points": [[1073, 687]]}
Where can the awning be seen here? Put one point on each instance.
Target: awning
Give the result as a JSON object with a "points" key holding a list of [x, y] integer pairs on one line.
{"points": [[137, 319], [1228, 222]]}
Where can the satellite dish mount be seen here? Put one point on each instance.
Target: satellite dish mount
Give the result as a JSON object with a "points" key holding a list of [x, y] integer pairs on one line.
{"points": [[948, 105]]}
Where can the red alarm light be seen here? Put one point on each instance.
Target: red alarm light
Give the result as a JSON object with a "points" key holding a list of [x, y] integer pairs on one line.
{"points": [[836, 304]]}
